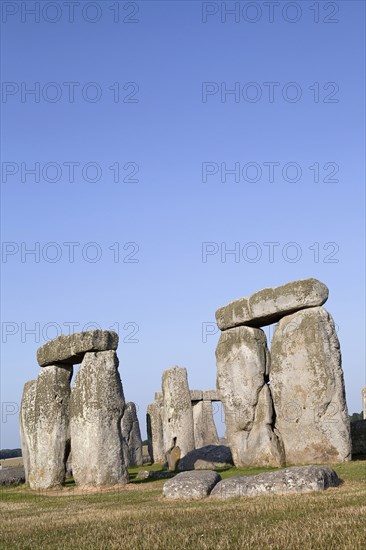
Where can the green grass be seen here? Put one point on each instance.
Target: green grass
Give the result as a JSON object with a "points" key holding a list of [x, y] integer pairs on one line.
{"points": [[138, 517]]}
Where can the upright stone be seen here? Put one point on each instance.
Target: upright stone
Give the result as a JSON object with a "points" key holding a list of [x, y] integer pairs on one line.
{"points": [[364, 402], [178, 427], [205, 432], [242, 363], [27, 426], [308, 389], [132, 436], [97, 405], [154, 425], [45, 427]]}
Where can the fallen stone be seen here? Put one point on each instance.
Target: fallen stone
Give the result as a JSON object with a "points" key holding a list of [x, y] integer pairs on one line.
{"points": [[205, 432], [146, 474], [178, 430], [45, 430], [297, 479], [242, 363], [72, 348], [97, 405], [191, 485], [154, 424], [12, 476], [308, 391], [269, 305], [132, 450], [206, 458]]}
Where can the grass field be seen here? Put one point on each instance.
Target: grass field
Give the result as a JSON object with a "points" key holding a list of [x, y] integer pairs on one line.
{"points": [[138, 517]]}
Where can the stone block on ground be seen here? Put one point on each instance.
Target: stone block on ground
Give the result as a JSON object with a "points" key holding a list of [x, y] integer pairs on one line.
{"points": [[206, 458], [297, 479], [190, 485], [12, 476]]}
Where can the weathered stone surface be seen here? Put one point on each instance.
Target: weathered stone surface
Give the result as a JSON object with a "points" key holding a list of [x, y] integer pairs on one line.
{"points": [[264, 446], [177, 411], [173, 457], [298, 479], [206, 458], [154, 425], [12, 476], [205, 432], [210, 395], [97, 405], [159, 396], [308, 389], [72, 348], [358, 436], [191, 485], [45, 428], [132, 449], [27, 424], [242, 362], [196, 395], [270, 304]]}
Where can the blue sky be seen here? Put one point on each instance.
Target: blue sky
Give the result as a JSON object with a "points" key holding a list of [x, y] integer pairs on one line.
{"points": [[141, 262]]}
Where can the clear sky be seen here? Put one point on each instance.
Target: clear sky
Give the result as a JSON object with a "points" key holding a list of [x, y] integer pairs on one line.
{"points": [[139, 112]]}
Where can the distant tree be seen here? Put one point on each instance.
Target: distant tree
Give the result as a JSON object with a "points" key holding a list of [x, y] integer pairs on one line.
{"points": [[356, 416]]}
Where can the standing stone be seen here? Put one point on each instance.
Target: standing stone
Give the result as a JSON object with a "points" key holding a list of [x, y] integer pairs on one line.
{"points": [[242, 363], [45, 426], [27, 425], [308, 389], [177, 411], [205, 432], [264, 443], [132, 450], [364, 402], [97, 405], [155, 439]]}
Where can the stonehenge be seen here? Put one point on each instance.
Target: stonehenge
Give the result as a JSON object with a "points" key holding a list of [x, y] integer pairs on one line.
{"points": [[284, 406], [91, 417]]}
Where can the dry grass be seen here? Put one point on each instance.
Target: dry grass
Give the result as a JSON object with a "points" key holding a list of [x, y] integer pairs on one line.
{"points": [[139, 518]]}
